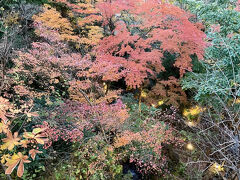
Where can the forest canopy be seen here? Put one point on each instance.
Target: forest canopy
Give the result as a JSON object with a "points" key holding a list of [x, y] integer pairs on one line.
{"points": [[119, 89]]}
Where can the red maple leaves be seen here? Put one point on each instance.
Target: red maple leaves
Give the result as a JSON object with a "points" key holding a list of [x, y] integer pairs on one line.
{"points": [[140, 32]]}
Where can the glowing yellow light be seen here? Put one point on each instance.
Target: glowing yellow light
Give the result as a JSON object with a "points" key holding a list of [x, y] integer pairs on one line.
{"points": [[161, 102], [193, 111], [216, 168], [190, 147], [143, 94], [153, 105], [237, 101], [105, 87]]}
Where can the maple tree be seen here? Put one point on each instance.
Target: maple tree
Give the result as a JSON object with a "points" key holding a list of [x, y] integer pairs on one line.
{"points": [[139, 33], [69, 95]]}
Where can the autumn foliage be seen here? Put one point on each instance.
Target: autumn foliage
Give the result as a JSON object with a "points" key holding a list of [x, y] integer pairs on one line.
{"points": [[68, 87], [138, 34], [28, 140]]}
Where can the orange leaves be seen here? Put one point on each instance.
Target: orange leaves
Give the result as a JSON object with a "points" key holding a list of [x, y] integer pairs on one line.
{"points": [[4, 106], [89, 20], [21, 90], [126, 138], [83, 16], [35, 135], [93, 35], [10, 141], [52, 20], [33, 153], [17, 159], [32, 114], [4, 127], [24, 143], [170, 91]]}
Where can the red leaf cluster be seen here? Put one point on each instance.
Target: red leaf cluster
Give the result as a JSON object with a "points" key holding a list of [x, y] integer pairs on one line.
{"points": [[139, 33]]}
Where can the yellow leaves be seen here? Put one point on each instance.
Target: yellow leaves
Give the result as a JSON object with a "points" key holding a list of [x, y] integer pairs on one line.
{"points": [[19, 159], [237, 101], [192, 115], [37, 130], [10, 141], [194, 111], [233, 101], [168, 1], [159, 103], [52, 19], [216, 168], [30, 115], [5, 158], [153, 105], [11, 19], [16, 159], [24, 143], [210, 61], [143, 94], [126, 138], [39, 138], [95, 33]]}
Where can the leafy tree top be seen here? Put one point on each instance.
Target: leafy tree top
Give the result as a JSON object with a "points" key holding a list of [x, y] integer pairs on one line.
{"points": [[138, 34]]}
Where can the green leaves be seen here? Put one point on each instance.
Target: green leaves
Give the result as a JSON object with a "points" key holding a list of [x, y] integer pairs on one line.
{"points": [[221, 64]]}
